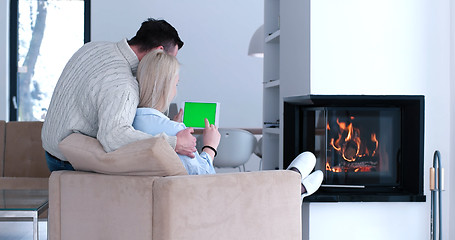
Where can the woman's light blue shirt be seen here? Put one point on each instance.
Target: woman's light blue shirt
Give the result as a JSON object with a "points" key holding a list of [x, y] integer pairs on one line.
{"points": [[154, 122]]}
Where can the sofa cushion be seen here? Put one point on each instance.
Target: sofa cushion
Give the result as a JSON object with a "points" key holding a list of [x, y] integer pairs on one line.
{"points": [[24, 154], [248, 205], [24, 183], [150, 157]]}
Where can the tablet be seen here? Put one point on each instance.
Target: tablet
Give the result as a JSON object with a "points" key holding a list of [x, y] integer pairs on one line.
{"points": [[194, 113]]}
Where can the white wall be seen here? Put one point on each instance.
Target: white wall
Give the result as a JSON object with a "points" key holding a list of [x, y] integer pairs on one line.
{"points": [[4, 59], [215, 64], [385, 47], [450, 209]]}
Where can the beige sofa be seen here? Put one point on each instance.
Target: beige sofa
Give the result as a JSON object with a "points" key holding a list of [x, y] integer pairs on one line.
{"points": [[22, 161], [141, 191]]}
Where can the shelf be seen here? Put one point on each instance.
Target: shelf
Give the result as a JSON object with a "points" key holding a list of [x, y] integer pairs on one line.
{"points": [[271, 156], [272, 130], [273, 37], [272, 83]]}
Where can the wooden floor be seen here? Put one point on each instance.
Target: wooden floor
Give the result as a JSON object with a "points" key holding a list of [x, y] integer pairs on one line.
{"points": [[22, 230]]}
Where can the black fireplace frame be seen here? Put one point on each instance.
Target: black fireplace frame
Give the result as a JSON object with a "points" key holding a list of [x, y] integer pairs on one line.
{"points": [[410, 185]]}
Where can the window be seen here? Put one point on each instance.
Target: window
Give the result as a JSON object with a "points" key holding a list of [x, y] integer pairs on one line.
{"points": [[44, 34]]}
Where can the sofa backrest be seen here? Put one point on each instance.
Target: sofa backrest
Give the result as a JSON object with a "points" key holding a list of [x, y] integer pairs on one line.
{"points": [[23, 152], [2, 145]]}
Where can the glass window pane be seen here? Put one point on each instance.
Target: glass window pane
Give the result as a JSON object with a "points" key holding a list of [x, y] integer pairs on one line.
{"points": [[49, 32]]}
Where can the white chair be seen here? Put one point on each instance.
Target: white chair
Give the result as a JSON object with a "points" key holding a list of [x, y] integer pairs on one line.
{"points": [[258, 152], [235, 148], [172, 111]]}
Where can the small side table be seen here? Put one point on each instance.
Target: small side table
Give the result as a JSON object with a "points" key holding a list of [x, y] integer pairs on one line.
{"points": [[24, 204]]}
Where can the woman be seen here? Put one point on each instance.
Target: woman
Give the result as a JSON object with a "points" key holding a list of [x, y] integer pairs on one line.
{"points": [[158, 78]]}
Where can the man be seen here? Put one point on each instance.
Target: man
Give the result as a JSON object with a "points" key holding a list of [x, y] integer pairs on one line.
{"points": [[97, 94]]}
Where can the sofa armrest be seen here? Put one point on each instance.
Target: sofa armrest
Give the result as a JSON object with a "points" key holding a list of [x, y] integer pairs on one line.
{"points": [[84, 205], [254, 205]]}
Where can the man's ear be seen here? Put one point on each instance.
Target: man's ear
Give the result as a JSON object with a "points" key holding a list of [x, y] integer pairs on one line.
{"points": [[140, 55]]}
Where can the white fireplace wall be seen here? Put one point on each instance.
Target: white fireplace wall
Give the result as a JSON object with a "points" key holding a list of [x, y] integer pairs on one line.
{"points": [[451, 167], [384, 48]]}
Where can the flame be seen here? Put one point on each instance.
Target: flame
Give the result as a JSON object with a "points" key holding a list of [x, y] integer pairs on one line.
{"points": [[376, 142], [351, 146], [342, 146], [334, 169]]}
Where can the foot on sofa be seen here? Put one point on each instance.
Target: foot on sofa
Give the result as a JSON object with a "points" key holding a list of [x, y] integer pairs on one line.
{"points": [[304, 163]]}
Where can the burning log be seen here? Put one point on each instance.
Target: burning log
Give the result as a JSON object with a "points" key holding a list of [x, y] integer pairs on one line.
{"points": [[350, 153], [349, 143], [365, 164]]}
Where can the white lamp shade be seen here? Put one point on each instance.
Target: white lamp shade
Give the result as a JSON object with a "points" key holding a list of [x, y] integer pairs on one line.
{"points": [[256, 48]]}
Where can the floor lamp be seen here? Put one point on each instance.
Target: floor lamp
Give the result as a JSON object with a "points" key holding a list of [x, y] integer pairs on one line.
{"points": [[256, 48]]}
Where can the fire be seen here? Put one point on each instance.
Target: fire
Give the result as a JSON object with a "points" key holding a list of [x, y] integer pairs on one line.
{"points": [[334, 169], [351, 147], [376, 142]]}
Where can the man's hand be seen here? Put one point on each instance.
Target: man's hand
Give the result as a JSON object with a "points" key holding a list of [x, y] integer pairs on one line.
{"points": [[186, 143], [179, 116]]}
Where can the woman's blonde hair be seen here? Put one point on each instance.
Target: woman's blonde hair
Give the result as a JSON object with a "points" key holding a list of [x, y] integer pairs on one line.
{"points": [[156, 73]]}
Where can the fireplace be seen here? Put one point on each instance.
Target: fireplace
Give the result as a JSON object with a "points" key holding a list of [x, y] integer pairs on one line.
{"points": [[370, 148]]}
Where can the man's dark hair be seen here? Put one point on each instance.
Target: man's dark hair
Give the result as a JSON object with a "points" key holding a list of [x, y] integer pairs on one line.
{"points": [[154, 33]]}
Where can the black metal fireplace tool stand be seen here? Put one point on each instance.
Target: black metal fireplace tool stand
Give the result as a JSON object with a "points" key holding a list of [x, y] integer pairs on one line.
{"points": [[436, 178]]}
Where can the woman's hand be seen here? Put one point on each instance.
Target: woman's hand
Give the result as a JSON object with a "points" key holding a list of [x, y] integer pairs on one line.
{"points": [[211, 137]]}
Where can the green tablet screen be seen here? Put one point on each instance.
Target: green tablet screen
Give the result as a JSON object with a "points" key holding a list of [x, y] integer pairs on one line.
{"points": [[194, 114]]}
